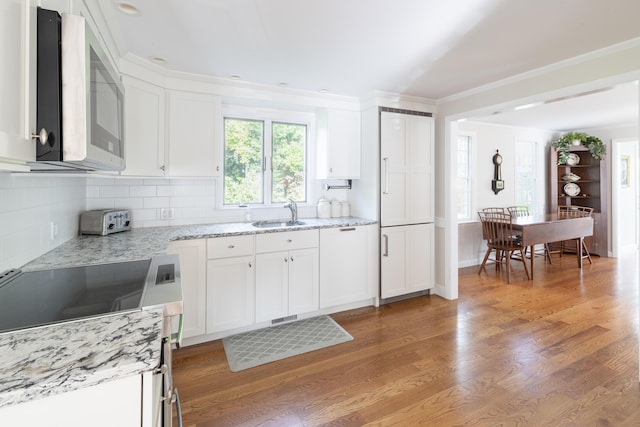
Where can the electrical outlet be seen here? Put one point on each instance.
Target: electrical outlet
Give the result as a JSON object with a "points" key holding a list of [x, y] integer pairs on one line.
{"points": [[166, 213]]}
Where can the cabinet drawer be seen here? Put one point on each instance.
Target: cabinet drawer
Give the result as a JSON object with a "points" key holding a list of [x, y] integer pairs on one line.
{"points": [[288, 240], [226, 247]]}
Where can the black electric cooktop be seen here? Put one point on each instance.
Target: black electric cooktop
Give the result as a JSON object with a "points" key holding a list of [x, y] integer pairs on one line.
{"points": [[36, 298]]}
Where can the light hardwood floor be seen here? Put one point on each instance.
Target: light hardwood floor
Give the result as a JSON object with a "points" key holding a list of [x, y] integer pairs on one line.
{"points": [[561, 350]]}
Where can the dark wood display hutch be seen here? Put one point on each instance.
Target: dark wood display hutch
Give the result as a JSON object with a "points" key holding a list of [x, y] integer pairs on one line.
{"points": [[593, 193]]}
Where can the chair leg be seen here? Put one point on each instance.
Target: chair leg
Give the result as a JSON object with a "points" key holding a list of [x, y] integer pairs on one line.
{"points": [[508, 266], [586, 251], [484, 261], [524, 262], [547, 252]]}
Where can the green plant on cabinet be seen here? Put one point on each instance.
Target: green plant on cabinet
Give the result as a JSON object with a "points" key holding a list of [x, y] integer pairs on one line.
{"points": [[565, 142]]}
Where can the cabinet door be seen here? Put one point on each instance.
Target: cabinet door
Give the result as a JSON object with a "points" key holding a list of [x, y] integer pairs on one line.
{"points": [[90, 406], [144, 128], [339, 145], [346, 256], [272, 286], [406, 169], [406, 261], [17, 84], [195, 134], [194, 286], [230, 293], [304, 292]]}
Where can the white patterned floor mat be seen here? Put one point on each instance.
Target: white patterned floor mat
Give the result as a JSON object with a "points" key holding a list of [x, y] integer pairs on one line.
{"points": [[266, 345]]}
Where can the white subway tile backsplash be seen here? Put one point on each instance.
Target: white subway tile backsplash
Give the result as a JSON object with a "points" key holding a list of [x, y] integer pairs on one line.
{"points": [[114, 191], [30, 204], [93, 191], [129, 203], [92, 204], [143, 191], [156, 202]]}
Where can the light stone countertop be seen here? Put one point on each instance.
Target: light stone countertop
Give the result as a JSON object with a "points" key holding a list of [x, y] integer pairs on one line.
{"points": [[52, 359], [144, 243]]}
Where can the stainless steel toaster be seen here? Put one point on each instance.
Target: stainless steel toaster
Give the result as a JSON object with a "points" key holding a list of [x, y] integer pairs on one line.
{"points": [[105, 221]]}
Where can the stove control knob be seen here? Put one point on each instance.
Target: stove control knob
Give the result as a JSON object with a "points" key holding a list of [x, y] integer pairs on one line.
{"points": [[126, 223], [111, 226]]}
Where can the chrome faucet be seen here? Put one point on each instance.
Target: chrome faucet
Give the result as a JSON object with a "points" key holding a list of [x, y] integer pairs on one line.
{"points": [[294, 210]]}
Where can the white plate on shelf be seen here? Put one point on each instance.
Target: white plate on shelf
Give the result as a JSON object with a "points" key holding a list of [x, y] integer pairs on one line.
{"points": [[572, 189], [573, 159]]}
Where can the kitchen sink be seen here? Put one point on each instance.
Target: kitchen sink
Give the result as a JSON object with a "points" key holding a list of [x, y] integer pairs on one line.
{"points": [[276, 223]]}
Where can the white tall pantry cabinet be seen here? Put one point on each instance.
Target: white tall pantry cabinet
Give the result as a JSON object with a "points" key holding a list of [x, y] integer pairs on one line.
{"points": [[406, 203]]}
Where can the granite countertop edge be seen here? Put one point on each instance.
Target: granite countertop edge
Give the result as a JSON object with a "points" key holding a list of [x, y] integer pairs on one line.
{"points": [[53, 359]]}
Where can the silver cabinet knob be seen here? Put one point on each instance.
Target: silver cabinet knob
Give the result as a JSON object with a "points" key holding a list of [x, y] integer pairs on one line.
{"points": [[43, 136]]}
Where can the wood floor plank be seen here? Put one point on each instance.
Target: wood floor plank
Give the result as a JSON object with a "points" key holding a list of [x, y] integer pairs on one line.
{"points": [[558, 350]]}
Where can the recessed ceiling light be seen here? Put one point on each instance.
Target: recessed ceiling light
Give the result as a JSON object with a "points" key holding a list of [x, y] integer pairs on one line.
{"points": [[127, 8], [235, 77], [282, 84], [324, 91], [158, 59]]}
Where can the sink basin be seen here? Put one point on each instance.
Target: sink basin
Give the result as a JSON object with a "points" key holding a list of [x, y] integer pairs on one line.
{"points": [[276, 223]]}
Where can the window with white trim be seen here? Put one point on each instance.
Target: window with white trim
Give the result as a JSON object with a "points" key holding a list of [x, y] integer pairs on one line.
{"points": [[525, 174], [265, 159], [464, 179]]}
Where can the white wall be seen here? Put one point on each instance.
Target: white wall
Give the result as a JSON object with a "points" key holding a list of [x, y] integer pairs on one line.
{"points": [[31, 205], [488, 138]]}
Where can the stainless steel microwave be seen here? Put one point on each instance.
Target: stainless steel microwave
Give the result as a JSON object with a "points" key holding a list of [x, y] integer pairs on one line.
{"points": [[80, 98]]}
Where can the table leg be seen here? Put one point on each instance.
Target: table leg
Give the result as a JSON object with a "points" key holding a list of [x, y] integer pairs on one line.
{"points": [[531, 249], [579, 251]]}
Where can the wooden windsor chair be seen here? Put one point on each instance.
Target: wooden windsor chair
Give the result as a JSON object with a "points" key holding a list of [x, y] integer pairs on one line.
{"points": [[519, 211], [498, 231], [572, 211]]}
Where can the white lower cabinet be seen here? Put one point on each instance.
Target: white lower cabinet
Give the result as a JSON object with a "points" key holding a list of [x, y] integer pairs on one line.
{"points": [[233, 283], [112, 403], [406, 261], [347, 265], [193, 262], [287, 274], [230, 283]]}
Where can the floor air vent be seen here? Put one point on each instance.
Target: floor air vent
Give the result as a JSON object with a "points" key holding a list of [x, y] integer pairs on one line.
{"points": [[284, 319]]}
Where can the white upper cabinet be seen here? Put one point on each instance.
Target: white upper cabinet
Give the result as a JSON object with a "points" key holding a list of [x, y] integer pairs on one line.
{"points": [[195, 134], [144, 128], [338, 144], [17, 84]]}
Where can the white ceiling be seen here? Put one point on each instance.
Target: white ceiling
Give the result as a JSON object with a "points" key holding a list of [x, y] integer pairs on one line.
{"points": [[425, 48]]}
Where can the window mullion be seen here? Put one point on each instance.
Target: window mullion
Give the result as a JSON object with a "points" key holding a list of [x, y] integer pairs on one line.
{"points": [[268, 155]]}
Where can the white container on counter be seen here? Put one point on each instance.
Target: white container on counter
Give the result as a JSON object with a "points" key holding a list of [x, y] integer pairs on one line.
{"points": [[324, 208], [336, 208], [345, 208]]}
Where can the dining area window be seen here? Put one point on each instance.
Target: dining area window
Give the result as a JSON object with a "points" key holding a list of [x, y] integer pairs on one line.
{"points": [[464, 178]]}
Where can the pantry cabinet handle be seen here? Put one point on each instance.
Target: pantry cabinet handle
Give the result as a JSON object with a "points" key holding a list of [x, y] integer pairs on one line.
{"points": [[250, 264], [285, 259], [386, 175], [386, 245], [348, 229], [291, 259], [231, 246]]}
